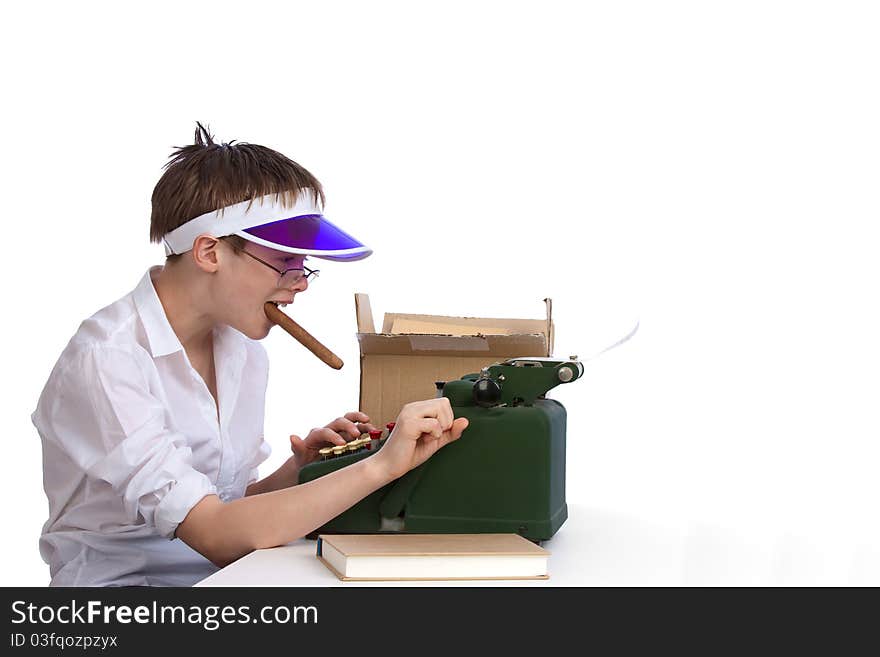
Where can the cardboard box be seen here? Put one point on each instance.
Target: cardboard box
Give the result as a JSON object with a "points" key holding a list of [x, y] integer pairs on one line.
{"points": [[402, 363]]}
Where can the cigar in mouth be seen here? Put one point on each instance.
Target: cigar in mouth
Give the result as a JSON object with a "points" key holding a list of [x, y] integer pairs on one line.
{"points": [[304, 337]]}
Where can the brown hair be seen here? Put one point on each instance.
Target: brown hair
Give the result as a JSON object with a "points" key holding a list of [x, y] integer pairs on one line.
{"points": [[206, 176]]}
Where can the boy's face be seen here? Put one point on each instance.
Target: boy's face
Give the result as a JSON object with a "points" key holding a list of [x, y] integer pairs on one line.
{"points": [[247, 284]]}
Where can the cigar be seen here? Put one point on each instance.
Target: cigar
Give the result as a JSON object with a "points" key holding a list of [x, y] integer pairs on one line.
{"points": [[304, 337]]}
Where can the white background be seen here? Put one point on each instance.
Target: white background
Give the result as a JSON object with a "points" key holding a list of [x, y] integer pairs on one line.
{"points": [[707, 168]]}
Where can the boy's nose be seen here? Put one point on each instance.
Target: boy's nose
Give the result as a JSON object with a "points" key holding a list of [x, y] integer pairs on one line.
{"points": [[299, 286]]}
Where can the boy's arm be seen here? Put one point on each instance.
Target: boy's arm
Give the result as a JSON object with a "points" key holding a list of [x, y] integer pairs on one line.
{"points": [[305, 451], [224, 532]]}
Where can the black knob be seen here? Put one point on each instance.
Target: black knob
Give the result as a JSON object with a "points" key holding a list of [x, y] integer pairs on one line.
{"points": [[487, 392], [439, 384]]}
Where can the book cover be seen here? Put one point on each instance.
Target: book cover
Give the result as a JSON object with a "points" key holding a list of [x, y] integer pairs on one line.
{"points": [[367, 557]]}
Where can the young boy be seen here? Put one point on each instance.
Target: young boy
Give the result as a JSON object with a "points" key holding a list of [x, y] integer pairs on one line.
{"points": [[152, 419]]}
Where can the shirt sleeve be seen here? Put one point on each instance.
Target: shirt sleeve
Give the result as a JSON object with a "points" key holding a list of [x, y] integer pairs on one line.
{"points": [[259, 456], [114, 428]]}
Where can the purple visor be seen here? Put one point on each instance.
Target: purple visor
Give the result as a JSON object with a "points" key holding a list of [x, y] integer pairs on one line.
{"points": [[310, 234]]}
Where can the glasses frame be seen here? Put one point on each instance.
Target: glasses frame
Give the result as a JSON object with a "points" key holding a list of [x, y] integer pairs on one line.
{"points": [[309, 274]]}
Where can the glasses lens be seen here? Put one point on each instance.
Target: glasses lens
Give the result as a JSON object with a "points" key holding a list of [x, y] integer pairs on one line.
{"points": [[290, 277], [293, 276]]}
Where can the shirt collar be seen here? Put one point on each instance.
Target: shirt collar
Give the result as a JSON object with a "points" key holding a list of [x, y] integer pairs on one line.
{"points": [[161, 337]]}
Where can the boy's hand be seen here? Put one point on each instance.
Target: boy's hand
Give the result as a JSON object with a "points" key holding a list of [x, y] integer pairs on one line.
{"points": [[421, 429], [351, 426]]}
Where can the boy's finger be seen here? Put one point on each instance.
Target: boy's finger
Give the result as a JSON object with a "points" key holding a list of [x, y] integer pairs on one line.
{"points": [[331, 436], [324, 435], [297, 444], [343, 425]]}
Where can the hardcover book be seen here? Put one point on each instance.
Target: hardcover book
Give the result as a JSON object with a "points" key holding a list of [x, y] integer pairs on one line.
{"points": [[374, 557]]}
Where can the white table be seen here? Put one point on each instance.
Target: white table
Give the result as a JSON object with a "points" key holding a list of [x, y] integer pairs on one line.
{"points": [[592, 548]]}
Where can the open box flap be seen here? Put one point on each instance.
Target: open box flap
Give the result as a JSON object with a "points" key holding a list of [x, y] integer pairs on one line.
{"points": [[485, 332]]}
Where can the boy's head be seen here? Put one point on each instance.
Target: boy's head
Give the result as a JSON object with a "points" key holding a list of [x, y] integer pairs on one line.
{"points": [[205, 176], [236, 212]]}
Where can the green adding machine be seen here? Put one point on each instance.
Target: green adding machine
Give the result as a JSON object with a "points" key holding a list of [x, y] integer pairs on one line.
{"points": [[506, 474]]}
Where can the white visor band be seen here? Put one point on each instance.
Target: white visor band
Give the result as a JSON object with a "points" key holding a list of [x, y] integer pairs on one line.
{"points": [[300, 229]]}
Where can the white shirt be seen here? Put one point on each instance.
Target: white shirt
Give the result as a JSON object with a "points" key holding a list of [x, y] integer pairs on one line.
{"points": [[131, 442]]}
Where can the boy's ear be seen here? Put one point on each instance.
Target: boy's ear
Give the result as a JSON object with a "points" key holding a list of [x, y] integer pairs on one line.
{"points": [[205, 253]]}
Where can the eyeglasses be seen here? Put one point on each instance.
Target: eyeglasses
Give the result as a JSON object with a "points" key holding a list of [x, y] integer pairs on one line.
{"points": [[286, 277]]}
